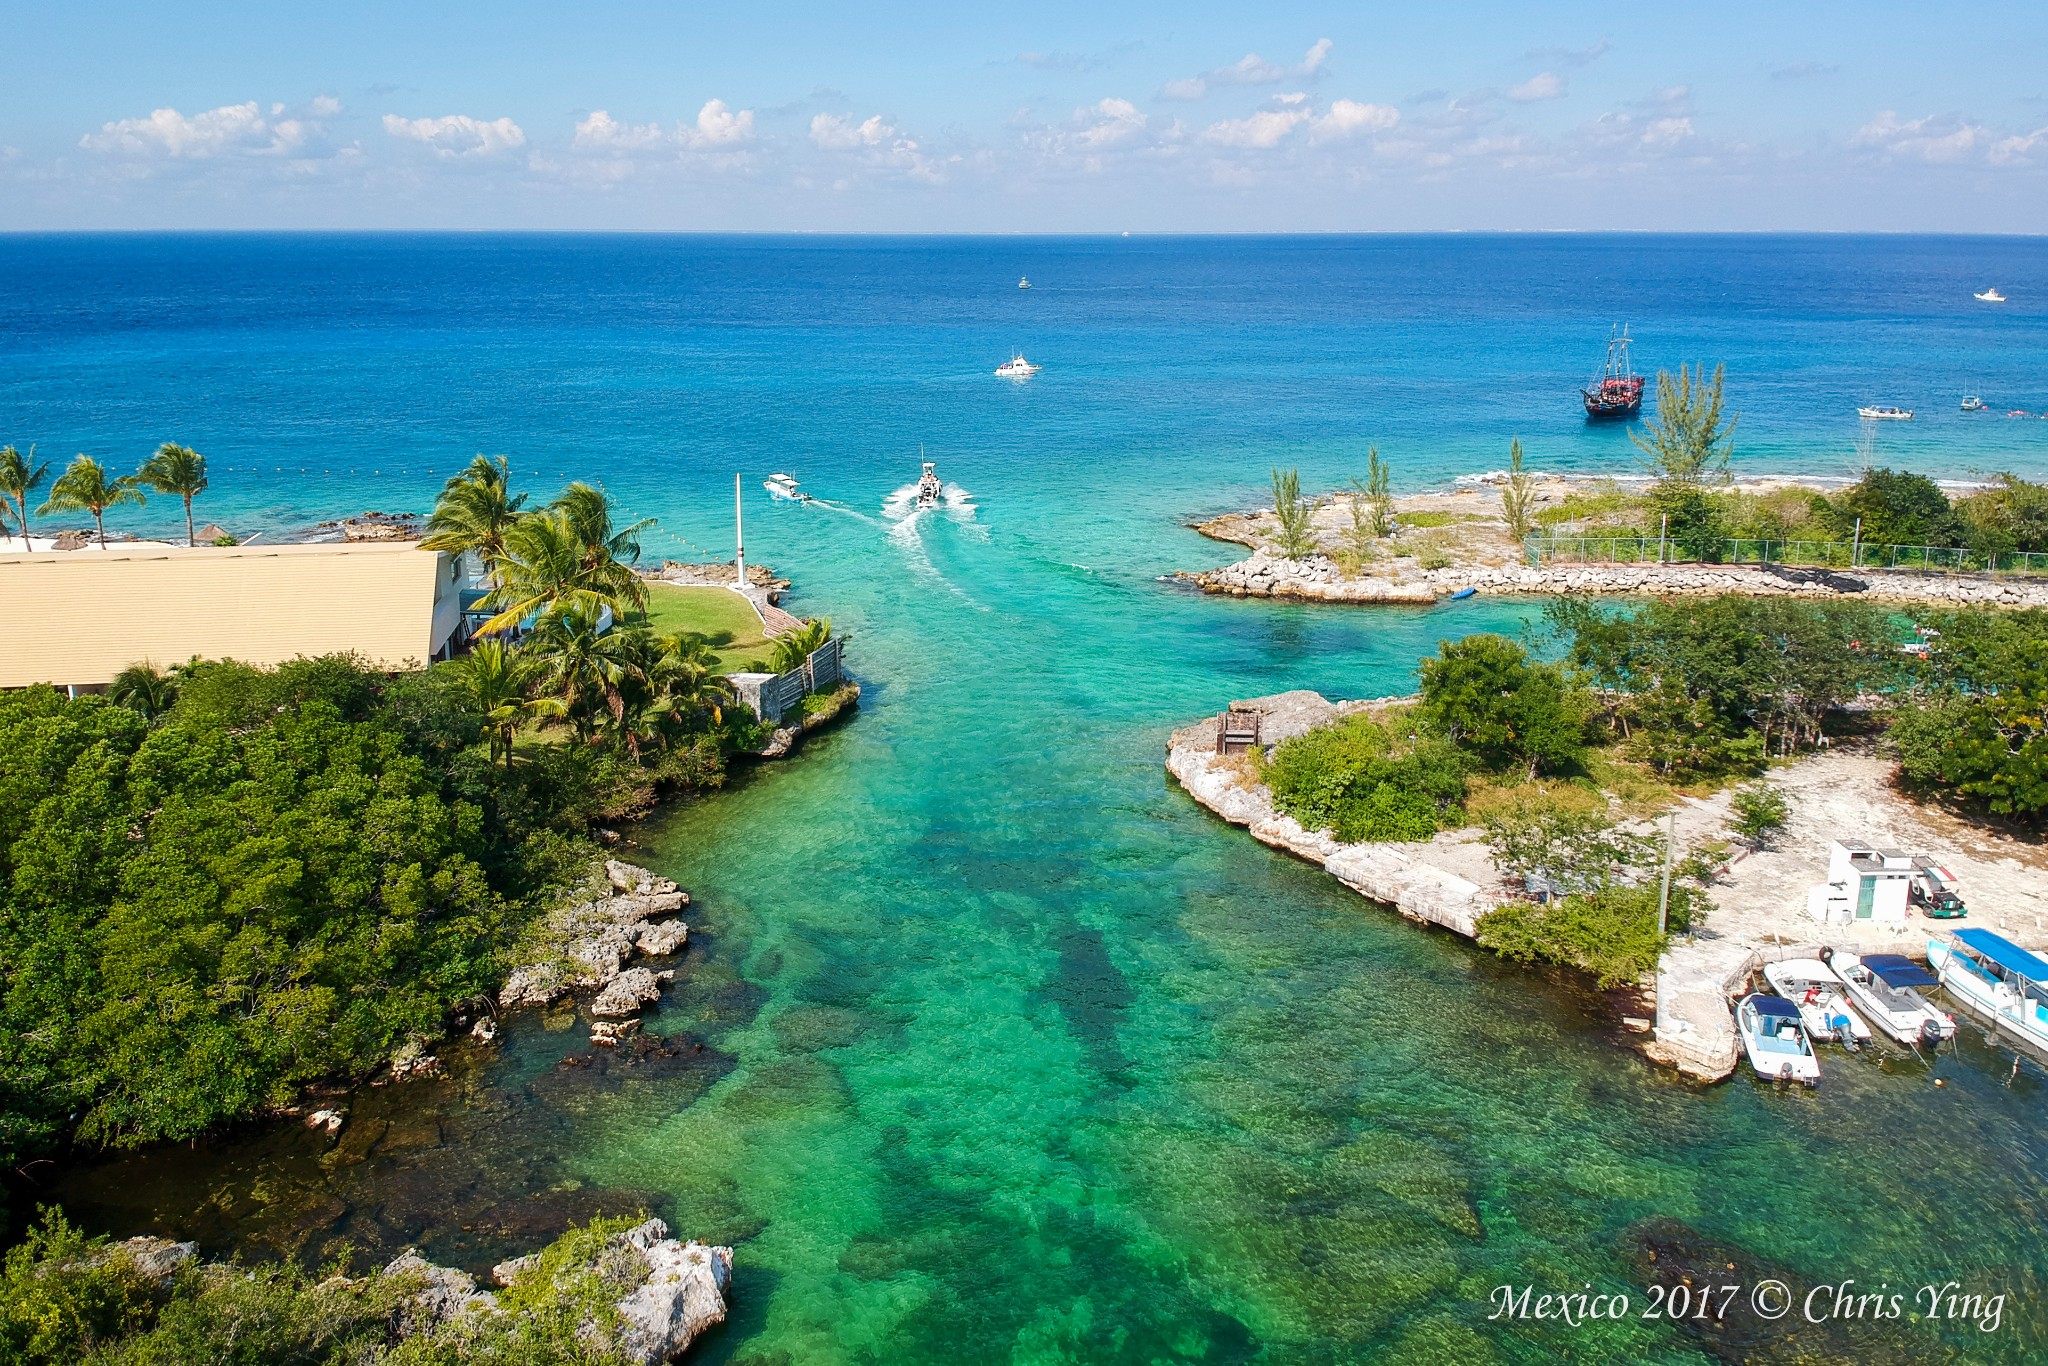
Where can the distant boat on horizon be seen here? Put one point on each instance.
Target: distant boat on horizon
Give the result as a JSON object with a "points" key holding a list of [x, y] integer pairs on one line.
{"points": [[1990, 296], [1023, 282], [1617, 391], [1972, 404], [1016, 367]]}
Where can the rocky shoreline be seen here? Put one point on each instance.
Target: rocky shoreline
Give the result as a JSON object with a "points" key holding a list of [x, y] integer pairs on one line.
{"points": [[1318, 578]]}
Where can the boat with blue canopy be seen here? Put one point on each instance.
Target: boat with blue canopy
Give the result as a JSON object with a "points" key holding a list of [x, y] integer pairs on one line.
{"points": [[1885, 987], [1997, 981], [1774, 1038]]}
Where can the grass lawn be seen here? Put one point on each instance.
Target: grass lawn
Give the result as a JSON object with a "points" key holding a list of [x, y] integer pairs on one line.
{"points": [[718, 614]]}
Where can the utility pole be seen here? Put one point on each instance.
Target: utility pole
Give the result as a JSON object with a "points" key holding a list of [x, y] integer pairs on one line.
{"points": [[1856, 545], [1664, 890], [739, 540], [1663, 530]]}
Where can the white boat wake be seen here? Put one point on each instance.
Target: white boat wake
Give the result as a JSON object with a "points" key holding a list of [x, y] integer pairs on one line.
{"points": [[905, 519]]}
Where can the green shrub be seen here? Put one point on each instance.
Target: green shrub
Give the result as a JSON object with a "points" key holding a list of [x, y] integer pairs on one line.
{"points": [[1355, 780], [1610, 932], [1759, 811], [1487, 697]]}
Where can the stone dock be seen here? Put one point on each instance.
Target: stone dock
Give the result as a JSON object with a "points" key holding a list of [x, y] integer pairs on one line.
{"points": [[1318, 578]]}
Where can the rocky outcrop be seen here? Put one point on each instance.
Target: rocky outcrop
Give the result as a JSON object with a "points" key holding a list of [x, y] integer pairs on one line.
{"points": [[444, 1293], [1318, 578], [588, 942], [1399, 875], [155, 1259], [678, 1289], [626, 993]]}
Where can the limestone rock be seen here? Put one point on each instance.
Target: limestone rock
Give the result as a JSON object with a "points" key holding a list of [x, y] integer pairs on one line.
{"points": [[484, 1030], [156, 1259], [327, 1121], [662, 937], [684, 1294], [445, 1293], [537, 985], [629, 991], [609, 1033]]}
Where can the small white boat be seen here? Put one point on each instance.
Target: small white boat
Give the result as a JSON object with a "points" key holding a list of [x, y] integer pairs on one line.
{"points": [[928, 486], [1972, 404], [1882, 984], [1885, 414], [1989, 296], [1775, 1039], [1813, 986], [1023, 282], [782, 486], [1997, 981], [1016, 367]]}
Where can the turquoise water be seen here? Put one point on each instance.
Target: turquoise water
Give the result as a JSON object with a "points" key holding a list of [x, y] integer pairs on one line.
{"points": [[1012, 1053]]}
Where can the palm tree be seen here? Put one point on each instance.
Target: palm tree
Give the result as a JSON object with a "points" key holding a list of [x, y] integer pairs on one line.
{"points": [[475, 511], [542, 570], [178, 470], [584, 667], [793, 649], [18, 479], [608, 555], [145, 688], [84, 487], [496, 679]]}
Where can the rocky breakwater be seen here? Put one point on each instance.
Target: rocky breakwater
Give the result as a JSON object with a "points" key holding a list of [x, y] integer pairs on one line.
{"points": [[1319, 578], [1412, 878], [588, 942]]}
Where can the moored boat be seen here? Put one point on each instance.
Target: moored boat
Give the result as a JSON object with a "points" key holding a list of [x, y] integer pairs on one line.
{"points": [[1885, 413], [1016, 367], [1972, 404], [1996, 980], [1989, 296], [1774, 1039], [1883, 987], [1813, 987], [1617, 391]]}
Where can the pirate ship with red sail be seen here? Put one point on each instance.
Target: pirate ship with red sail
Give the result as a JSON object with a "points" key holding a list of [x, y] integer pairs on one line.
{"points": [[1617, 391]]}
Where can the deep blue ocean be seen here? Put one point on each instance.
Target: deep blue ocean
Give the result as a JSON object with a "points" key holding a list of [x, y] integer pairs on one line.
{"points": [[1014, 1054]]}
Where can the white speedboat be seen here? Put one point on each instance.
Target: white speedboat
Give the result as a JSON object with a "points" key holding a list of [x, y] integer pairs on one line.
{"points": [[1775, 1039], [1885, 413], [928, 486], [1972, 404], [1882, 985], [1989, 296], [1023, 282], [1997, 981], [1016, 367], [782, 486], [1813, 986]]}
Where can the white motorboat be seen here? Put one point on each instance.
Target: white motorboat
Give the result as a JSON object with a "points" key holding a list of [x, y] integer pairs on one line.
{"points": [[1989, 296], [1016, 367], [1997, 981], [1972, 404], [782, 486], [1812, 985], [1775, 1039], [928, 486], [1882, 985], [1023, 282], [1885, 413]]}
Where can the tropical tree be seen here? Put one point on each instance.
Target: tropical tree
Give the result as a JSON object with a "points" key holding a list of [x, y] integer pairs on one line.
{"points": [[1687, 443], [19, 477], [1292, 511], [84, 487], [1518, 498], [1379, 493], [179, 471], [585, 666], [608, 552], [476, 510], [496, 680], [144, 688], [793, 648], [543, 569]]}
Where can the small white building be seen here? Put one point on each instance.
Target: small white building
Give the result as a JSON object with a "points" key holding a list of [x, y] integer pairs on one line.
{"points": [[1865, 885]]}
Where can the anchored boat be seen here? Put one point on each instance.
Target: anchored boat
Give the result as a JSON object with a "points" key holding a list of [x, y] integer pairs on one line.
{"points": [[1885, 413], [1617, 391], [1016, 367], [1883, 985], [1989, 296], [1774, 1038], [1813, 987], [1999, 982]]}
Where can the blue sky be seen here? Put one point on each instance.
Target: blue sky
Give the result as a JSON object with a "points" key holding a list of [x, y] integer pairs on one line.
{"points": [[1143, 116]]}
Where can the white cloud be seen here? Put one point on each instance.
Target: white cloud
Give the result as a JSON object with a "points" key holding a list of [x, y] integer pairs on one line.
{"points": [[1349, 118], [2017, 147], [1936, 137], [602, 132], [454, 135], [229, 130], [1667, 132], [1266, 128], [1109, 123], [837, 134], [1251, 69], [719, 126], [1545, 85]]}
